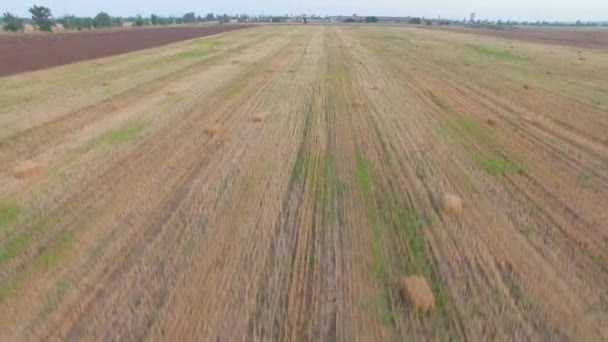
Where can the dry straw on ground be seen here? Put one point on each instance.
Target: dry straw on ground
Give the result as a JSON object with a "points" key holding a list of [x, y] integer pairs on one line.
{"points": [[416, 291], [451, 205], [214, 130], [26, 169], [359, 103], [114, 106], [258, 116]]}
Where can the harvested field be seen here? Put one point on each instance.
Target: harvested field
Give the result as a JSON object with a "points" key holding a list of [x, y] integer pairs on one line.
{"points": [[583, 37], [29, 52], [289, 196]]}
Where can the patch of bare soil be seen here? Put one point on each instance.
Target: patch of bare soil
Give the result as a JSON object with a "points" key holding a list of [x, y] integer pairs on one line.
{"points": [[21, 53], [587, 38]]}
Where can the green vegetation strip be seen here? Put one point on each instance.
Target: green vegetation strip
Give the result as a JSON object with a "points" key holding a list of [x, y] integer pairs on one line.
{"points": [[56, 294], [8, 215], [120, 135], [397, 224], [464, 130], [124, 133], [47, 260], [493, 52], [364, 176]]}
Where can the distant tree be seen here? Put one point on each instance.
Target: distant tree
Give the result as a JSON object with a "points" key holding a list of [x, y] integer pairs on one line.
{"points": [[67, 22], [102, 20], [578, 23], [84, 23], [71, 22], [12, 23], [244, 18], [42, 18], [118, 21], [139, 21], [189, 17], [210, 17], [159, 20], [168, 21], [224, 19], [416, 21], [371, 19]]}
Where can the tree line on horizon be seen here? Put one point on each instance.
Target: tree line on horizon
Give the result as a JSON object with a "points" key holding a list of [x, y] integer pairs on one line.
{"points": [[42, 19]]}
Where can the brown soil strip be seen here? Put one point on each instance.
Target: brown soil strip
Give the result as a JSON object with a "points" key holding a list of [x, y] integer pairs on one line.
{"points": [[34, 52]]}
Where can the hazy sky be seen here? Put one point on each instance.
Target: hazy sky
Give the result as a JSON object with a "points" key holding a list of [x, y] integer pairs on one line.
{"points": [[567, 10]]}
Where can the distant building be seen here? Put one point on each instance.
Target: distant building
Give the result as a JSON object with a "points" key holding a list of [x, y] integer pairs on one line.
{"points": [[472, 20]]}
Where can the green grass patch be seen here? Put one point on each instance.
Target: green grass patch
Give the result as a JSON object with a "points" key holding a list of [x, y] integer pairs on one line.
{"points": [[20, 241], [56, 294], [331, 185], [53, 254], [497, 166], [364, 176], [47, 260], [587, 180], [302, 162], [440, 102], [387, 317], [125, 133], [410, 225], [317, 173], [493, 52], [194, 53], [200, 48], [407, 224], [13, 247], [235, 88], [392, 36], [8, 215], [528, 231], [120, 135], [463, 130]]}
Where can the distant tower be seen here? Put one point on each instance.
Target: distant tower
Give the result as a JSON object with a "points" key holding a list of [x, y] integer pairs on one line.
{"points": [[472, 17]]}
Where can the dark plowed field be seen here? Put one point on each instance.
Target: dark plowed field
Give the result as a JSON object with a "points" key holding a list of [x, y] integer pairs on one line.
{"points": [[21, 53], [595, 39]]}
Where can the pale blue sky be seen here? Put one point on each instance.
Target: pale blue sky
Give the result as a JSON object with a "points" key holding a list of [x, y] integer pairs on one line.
{"points": [[565, 10]]}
